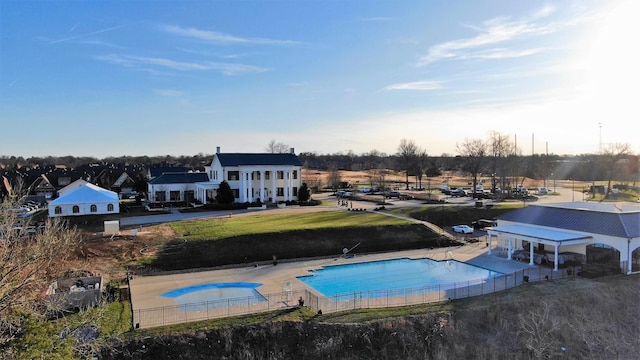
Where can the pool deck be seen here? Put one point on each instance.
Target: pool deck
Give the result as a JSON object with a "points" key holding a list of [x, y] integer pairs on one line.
{"points": [[146, 291]]}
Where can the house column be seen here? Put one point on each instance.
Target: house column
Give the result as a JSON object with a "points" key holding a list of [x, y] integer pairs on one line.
{"points": [[555, 257], [530, 252], [489, 237], [262, 195], [243, 186], [274, 186], [250, 186], [289, 187], [509, 247]]}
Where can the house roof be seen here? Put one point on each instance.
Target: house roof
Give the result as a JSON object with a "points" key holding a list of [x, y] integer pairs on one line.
{"points": [[541, 233], [180, 178], [603, 220], [159, 170], [87, 193], [248, 159]]}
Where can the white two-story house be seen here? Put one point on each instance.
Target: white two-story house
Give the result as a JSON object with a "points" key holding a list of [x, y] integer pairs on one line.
{"points": [[266, 177]]}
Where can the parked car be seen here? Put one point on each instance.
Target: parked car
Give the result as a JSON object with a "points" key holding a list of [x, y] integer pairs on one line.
{"points": [[484, 223], [342, 194], [543, 191], [458, 192], [405, 197], [464, 229], [391, 194]]}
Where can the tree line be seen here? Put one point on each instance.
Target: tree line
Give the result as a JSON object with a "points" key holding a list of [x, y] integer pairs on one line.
{"points": [[497, 157]]}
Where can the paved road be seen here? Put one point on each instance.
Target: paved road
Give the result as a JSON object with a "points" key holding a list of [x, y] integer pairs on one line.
{"points": [[563, 195]]}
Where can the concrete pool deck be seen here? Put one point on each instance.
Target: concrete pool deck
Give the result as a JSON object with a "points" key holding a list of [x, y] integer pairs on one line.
{"points": [[146, 291]]}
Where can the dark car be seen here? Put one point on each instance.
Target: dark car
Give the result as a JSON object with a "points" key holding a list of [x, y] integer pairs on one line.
{"points": [[484, 223], [458, 192], [392, 194]]}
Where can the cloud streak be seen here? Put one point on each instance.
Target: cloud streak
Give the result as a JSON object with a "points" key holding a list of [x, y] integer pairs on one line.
{"points": [[139, 61], [417, 85], [492, 32], [221, 38], [80, 36]]}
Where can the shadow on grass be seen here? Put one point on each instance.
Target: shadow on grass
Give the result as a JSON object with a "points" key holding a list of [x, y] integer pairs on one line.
{"points": [[253, 249]]}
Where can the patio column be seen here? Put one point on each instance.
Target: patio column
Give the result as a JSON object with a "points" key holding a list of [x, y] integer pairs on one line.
{"points": [[489, 237], [509, 247], [555, 257], [530, 252]]}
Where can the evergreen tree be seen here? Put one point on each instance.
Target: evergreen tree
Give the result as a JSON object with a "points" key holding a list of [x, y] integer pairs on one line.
{"points": [[303, 192], [224, 194]]}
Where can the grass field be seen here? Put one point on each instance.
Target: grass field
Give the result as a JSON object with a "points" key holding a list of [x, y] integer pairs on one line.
{"points": [[263, 224]]}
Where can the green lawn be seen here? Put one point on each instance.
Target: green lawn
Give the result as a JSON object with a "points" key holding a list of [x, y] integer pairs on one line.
{"points": [[263, 224]]}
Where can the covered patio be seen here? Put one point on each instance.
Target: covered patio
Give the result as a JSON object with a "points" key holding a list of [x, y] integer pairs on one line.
{"points": [[512, 238]]}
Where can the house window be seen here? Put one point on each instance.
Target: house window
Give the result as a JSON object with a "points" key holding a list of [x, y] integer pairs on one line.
{"points": [[174, 195], [280, 191], [58, 210], [267, 175], [233, 175], [109, 207], [94, 208], [236, 193], [161, 196], [295, 174], [295, 191], [76, 209], [280, 175]]}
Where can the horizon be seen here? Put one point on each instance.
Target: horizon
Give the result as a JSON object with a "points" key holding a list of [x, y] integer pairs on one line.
{"points": [[99, 79]]}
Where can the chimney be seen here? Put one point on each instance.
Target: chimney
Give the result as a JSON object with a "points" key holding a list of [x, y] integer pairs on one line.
{"points": [[292, 151], [217, 149]]}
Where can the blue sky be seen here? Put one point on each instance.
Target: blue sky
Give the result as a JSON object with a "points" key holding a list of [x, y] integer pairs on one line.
{"points": [[112, 78]]}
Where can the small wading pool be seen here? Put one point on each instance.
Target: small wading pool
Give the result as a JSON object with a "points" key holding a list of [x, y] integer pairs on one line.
{"points": [[393, 274], [216, 295]]}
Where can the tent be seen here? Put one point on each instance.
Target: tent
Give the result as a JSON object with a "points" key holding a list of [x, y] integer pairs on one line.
{"points": [[87, 199]]}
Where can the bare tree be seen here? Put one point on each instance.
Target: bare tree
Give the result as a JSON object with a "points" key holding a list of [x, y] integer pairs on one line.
{"points": [[30, 258], [379, 179], [539, 331], [475, 151], [611, 156], [334, 179], [274, 147], [500, 148], [408, 153]]}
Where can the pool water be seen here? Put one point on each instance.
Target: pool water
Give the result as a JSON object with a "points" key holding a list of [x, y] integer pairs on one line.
{"points": [[217, 294], [393, 274]]}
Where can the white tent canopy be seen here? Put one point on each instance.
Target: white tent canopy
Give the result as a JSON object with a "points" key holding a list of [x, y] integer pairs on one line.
{"points": [[87, 199]]}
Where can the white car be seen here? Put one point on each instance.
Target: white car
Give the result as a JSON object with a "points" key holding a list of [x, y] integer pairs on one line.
{"points": [[464, 229]]}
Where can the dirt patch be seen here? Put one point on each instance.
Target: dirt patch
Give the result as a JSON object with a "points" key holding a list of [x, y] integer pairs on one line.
{"points": [[109, 255]]}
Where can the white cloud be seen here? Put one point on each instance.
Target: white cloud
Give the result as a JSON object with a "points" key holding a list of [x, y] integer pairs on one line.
{"points": [[417, 85], [139, 61], [493, 31], [221, 38], [168, 92]]}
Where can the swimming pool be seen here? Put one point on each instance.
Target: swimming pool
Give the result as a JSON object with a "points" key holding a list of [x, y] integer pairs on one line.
{"points": [[393, 274], [217, 294]]}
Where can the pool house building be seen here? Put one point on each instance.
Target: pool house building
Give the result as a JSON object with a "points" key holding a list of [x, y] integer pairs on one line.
{"points": [[591, 233]]}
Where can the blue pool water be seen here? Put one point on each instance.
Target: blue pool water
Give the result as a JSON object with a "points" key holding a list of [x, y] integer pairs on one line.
{"points": [[392, 274], [217, 294]]}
